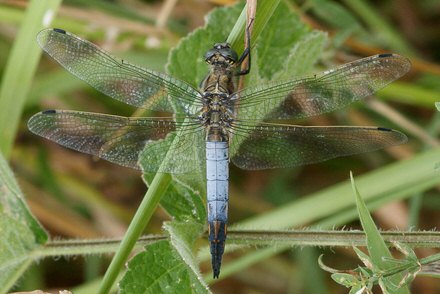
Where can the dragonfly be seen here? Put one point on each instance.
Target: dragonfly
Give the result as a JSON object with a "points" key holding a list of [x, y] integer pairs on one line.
{"points": [[206, 128]]}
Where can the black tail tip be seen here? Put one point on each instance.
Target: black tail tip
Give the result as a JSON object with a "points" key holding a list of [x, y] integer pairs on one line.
{"points": [[215, 273]]}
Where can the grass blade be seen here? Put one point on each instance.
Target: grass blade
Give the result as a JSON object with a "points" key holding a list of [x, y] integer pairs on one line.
{"points": [[20, 69]]}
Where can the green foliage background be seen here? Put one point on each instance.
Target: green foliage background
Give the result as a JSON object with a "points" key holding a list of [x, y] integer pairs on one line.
{"points": [[76, 197]]}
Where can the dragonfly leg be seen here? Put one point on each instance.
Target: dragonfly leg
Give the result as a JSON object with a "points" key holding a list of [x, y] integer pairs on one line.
{"points": [[247, 51]]}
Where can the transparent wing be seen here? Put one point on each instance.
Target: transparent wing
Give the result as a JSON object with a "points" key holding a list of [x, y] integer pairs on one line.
{"points": [[324, 92], [119, 139], [279, 146], [116, 78]]}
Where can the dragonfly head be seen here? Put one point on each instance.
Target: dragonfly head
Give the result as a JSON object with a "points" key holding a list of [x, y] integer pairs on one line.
{"points": [[221, 53]]}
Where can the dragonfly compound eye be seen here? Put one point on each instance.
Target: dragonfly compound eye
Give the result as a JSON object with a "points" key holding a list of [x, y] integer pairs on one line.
{"points": [[229, 54], [210, 54], [224, 50]]}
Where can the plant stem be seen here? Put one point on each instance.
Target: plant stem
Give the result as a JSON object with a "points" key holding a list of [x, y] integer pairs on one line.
{"points": [[330, 238], [140, 220], [84, 247]]}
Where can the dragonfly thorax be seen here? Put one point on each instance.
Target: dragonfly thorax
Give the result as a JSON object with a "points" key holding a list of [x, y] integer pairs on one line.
{"points": [[217, 116], [217, 87]]}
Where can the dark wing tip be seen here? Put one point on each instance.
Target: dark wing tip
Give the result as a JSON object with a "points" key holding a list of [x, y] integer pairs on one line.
{"points": [[49, 111], [385, 55], [35, 120], [61, 31], [399, 137], [403, 61], [44, 35]]}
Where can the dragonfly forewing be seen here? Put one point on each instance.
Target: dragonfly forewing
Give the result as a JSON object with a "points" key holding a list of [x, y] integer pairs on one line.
{"points": [[324, 92], [117, 78]]}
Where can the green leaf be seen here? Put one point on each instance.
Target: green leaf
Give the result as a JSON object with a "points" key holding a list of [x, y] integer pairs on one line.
{"points": [[20, 231], [184, 203], [275, 43], [407, 251], [167, 266], [160, 270], [437, 105], [376, 245], [12, 203], [183, 236], [366, 260], [304, 54], [346, 280], [183, 197]]}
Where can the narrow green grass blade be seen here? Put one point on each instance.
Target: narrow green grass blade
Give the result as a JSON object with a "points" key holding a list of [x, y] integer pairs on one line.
{"points": [[265, 10], [376, 245], [412, 94], [373, 19], [20, 69]]}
